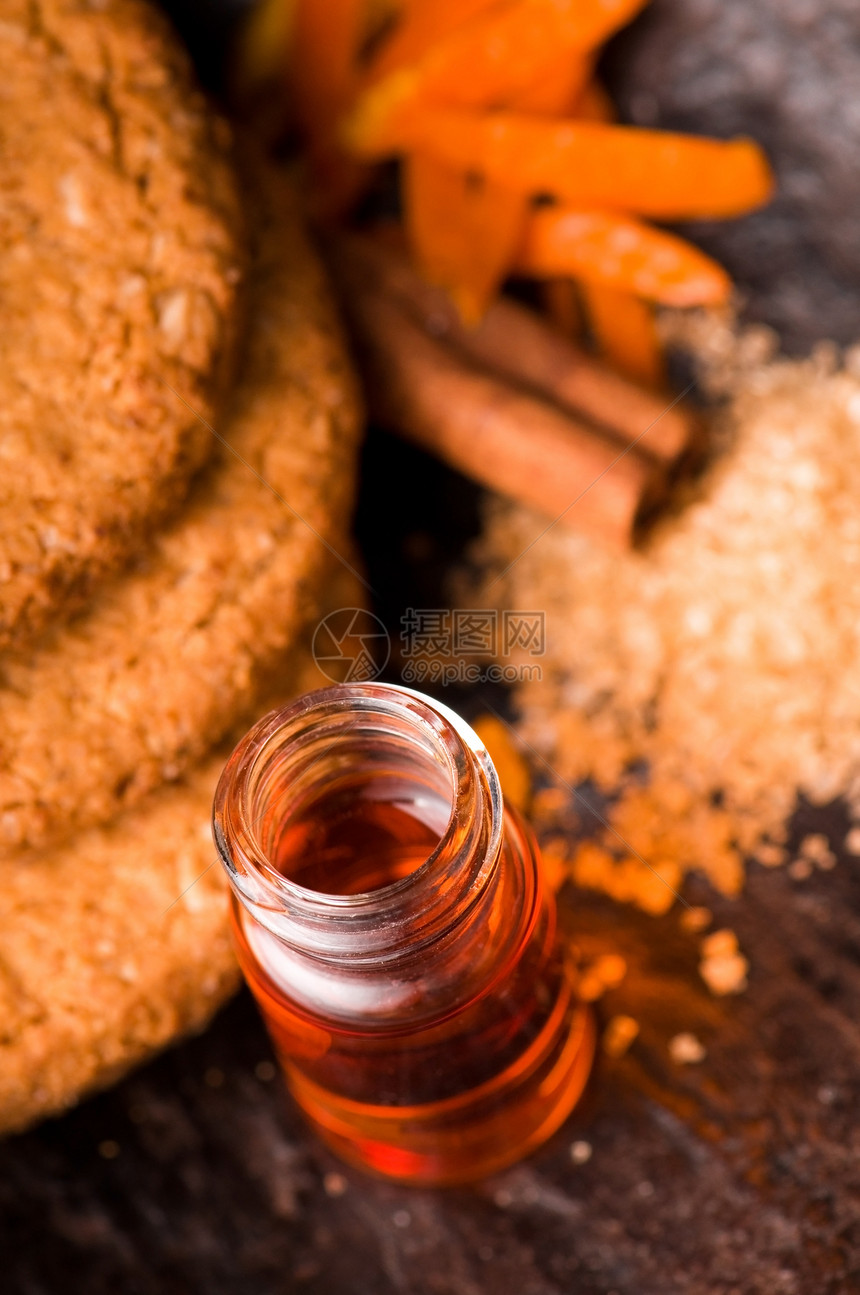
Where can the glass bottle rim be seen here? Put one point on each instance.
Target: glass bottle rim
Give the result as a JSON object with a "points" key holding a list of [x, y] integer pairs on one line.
{"points": [[467, 850]]}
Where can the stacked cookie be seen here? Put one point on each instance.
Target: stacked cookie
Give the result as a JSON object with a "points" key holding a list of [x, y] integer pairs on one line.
{"points": [[175, 494]]}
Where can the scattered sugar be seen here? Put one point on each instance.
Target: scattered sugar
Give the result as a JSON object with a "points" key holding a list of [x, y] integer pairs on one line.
{"points": [[696, 919], [705, 660], [814, 847], [770, 855], [555, 855], [725, 973], [719, 944], [723, 967], [580, 1152], [619, 1034], [686, 1050], [606, 972], [511, 766], [852, 841]]}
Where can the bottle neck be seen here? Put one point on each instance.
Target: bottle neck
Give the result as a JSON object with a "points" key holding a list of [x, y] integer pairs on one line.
{"points": [[370, 737]]}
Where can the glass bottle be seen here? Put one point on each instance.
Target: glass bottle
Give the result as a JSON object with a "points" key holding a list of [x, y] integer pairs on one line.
{"points": [[391, 921]]}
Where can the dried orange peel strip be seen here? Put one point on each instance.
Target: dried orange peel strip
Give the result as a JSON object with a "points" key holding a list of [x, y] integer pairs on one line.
{"points": [[464, 233], [656, 173], [464, 230], [421, 27], [489, 61], [623, 253], [492, 105], [324, 40], [625, 332]]}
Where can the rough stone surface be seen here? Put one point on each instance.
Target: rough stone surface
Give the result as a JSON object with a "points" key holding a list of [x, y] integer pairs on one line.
{"points": [[785, 72]]}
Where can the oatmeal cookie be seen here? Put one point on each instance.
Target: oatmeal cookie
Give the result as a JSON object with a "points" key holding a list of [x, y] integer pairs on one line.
{"points": [[118, 942], [139, 688], [119, 266]]}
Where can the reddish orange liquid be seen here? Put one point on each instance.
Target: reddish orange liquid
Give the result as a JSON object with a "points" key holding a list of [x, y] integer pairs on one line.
{"points": [[356, 842], [455, 1084]]}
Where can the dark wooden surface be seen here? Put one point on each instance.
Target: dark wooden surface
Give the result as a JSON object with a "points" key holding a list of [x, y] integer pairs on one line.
{"points": [[740, 1176]]}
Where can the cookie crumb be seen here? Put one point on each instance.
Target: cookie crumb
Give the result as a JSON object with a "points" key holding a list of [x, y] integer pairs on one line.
{"points": [[800, 869], [580, 1152]]}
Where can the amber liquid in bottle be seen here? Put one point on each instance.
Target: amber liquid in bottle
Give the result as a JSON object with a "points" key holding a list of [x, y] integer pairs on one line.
{"points": [[358, 838], [448, 1081]]}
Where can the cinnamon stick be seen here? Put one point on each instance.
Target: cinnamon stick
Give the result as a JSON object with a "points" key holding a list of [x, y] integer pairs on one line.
{"points": [[516, 343], [506, 438]]}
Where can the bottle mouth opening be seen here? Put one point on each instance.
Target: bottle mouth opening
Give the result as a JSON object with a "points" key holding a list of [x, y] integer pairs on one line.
{"points": [[389, 751]]}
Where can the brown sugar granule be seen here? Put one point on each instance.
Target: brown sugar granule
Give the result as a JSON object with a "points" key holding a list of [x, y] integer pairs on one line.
{"points": [[628, 879], [611, 968], [696, 919], [510, 765], [723, 967], [815, 846], [770, 855], [555, 858], [719, 944], [719, 658], [686, 1050], [619, 1034], [815, 849], [549, 803], [606, 972]]}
